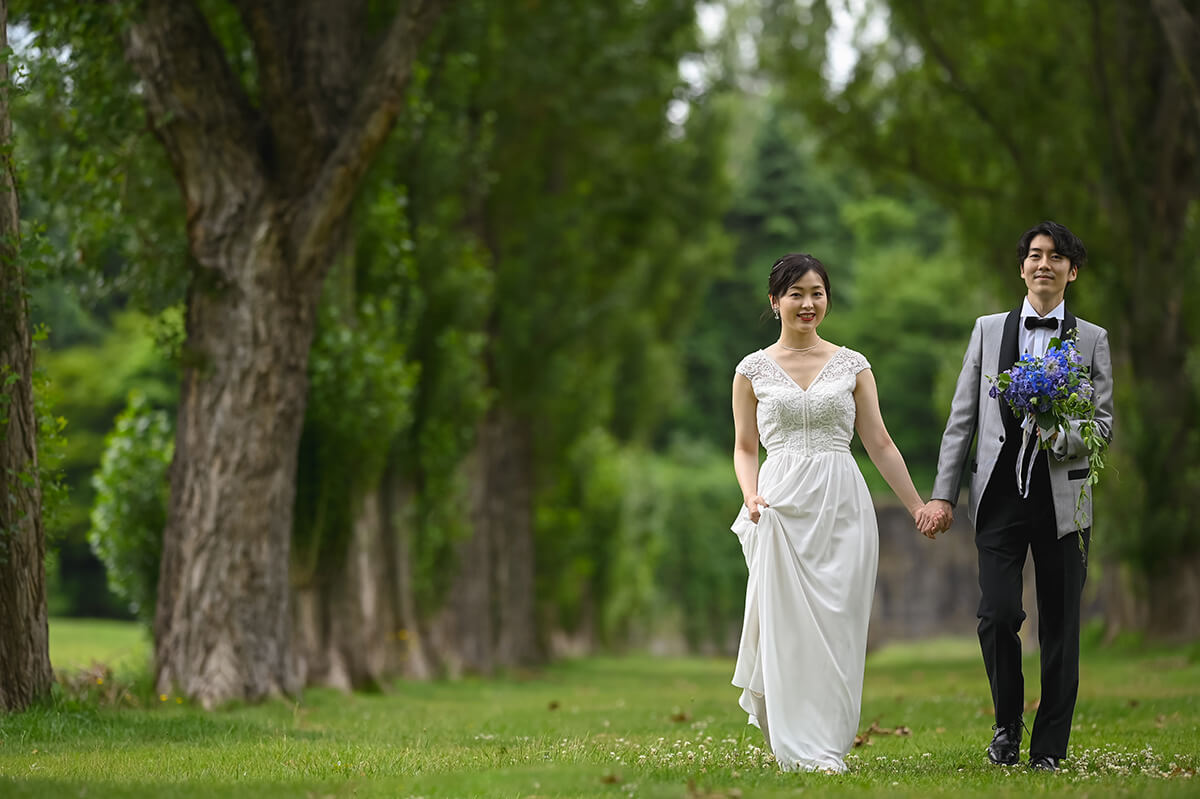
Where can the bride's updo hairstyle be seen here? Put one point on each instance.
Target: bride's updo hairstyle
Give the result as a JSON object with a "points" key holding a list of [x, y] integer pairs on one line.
{"points": [[793, 266]]}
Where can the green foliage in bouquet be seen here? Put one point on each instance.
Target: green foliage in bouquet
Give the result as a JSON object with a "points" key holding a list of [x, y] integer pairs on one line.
{"points": [[1056, 393]]}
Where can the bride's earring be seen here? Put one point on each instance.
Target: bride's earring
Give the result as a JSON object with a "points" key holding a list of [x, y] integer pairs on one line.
{"points": [[775, 308]]}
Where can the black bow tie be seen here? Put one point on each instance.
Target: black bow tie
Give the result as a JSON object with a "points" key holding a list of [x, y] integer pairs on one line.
{"points": [[1050, 323]]}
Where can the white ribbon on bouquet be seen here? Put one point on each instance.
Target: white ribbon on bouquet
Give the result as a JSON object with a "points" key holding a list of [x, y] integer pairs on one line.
{"points": [[1025, 477]]}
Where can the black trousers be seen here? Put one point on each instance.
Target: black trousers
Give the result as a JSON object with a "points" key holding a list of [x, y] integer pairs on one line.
{"points": [[1008, 527]]}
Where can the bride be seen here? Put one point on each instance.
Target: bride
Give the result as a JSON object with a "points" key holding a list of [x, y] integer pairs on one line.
{"points": [[808, 528]]}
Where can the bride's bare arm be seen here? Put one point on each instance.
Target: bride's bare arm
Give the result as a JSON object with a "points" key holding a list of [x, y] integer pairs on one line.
{"points": [[879, 445], [745, 444]]}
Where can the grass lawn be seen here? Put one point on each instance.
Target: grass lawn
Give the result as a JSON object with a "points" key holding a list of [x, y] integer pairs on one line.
{"points": [[600, 727], [77, 643]]}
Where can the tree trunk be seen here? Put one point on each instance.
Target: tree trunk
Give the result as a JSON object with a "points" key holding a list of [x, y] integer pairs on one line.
{"points": [[346, 620], [1173, 601], [397, 518], [489, 619], [463, 632], [268, 185], [222, 627], [360, 626], [1116, 594], [25, 671], [506, 507]]}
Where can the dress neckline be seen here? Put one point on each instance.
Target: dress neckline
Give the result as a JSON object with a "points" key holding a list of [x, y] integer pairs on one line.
{"points": [[793, 381]]}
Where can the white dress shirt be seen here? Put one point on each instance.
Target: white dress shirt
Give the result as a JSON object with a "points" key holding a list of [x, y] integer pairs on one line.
{"points": [[1037, 340]]}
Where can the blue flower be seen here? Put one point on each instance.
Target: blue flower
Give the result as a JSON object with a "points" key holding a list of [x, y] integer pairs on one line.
{"points": [[1056, 387]]}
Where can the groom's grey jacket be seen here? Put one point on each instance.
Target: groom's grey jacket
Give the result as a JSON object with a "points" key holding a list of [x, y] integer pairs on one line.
{"points": [[993, 349]]}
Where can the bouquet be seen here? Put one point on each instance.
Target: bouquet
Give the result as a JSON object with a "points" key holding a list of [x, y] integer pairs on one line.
{"points": [[1047, 394]]}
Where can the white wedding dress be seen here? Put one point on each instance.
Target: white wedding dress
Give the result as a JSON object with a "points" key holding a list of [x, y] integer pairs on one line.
{"points": [[812, 559]]}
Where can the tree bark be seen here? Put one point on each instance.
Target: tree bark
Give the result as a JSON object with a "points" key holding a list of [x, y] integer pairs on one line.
{"points": [[268, 192], [464, 631], [25, 672], [489, 619], [1182, 33], [1159, 342], [1173, 602], [222, 623], [359, 625], [506, 510], [346, 620], [397, 517]]}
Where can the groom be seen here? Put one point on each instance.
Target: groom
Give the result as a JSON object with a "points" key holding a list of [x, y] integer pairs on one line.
{"points": [[1009, 524]]}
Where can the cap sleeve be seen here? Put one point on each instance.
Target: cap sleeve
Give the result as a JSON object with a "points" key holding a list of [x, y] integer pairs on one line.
{"points": [[751, 366], [858, 362]]}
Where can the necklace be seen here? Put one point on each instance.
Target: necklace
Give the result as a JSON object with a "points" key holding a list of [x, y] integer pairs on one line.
{"points": [[799, 349]]}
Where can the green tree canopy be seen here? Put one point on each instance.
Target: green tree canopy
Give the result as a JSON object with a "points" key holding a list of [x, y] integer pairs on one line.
{"points": [[1083, 112]]}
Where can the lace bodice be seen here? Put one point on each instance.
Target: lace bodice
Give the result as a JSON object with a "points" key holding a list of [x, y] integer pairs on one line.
{"points": [[799, 421]]}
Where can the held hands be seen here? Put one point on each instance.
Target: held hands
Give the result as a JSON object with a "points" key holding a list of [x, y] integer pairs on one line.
{"points": [[752, 503], [934, 517]]}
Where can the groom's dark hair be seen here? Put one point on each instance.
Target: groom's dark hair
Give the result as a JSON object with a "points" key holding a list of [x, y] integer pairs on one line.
{"points": [[793, 266], [1066, 243]]}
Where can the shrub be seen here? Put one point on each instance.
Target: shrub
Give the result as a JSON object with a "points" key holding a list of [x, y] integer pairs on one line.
{"points": [[131, 503]]}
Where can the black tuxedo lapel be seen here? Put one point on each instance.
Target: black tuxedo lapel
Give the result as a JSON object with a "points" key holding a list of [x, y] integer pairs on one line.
{"points": [[1068, 324], [1008, 344], [1008, 357]]}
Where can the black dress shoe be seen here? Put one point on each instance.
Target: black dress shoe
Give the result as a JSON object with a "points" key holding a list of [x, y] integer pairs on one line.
{"points": [[1005, 748], [1044, 762]]}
